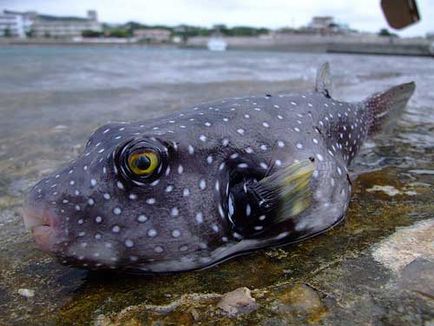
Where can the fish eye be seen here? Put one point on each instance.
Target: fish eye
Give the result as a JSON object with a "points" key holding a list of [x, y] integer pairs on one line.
{"points": [[143, 162]]}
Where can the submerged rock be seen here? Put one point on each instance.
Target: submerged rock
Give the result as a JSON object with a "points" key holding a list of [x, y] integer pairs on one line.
{"points": [[300, 303], [237, 302]]}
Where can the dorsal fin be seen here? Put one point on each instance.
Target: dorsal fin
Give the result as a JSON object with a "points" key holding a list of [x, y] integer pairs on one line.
{"points": [[323, 82]]}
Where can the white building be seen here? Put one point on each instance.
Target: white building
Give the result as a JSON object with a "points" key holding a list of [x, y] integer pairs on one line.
{"points": [[65, 27], [321, 22], [14, 24], [20, 24], [157, 35]]}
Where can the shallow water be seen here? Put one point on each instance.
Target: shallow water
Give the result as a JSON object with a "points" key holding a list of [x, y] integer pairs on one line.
{"points": [[52, 98]]}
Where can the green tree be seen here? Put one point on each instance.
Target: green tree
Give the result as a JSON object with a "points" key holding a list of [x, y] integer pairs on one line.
{"points": [[90, 33], [30, 33], [7, 32], [385, 32]]}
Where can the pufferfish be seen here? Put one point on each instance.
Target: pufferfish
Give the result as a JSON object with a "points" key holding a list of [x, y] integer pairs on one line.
{"points": [[197, 187]]}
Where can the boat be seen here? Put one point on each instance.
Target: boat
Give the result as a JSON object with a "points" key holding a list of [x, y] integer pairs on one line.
{"points": [[217, 43]]}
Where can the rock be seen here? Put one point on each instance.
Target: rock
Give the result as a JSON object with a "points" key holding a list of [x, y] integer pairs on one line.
{"points": [[237, 302], [27, 293], [405, 245], [389, 190], [418, 276], [300, 303]]}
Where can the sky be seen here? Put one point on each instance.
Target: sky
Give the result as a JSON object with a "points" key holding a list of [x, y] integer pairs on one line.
{"points": [[365, 15]]}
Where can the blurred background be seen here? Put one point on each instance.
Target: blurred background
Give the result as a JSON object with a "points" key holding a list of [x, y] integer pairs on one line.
{"points": [[67, 67]]}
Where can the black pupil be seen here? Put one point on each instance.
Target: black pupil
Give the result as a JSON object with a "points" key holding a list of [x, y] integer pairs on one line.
{"points": [[142, 163]]}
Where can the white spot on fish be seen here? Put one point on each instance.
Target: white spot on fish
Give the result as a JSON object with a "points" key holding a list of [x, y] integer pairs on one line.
{"points": [[199, 217], [152, 233], [174, 212], [129, 243], [248, 210], [176, 233], [142, 218], [150, 201]]}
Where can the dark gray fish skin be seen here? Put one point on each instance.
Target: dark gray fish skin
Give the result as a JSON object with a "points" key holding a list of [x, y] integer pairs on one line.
{"points": [[93, 214]]}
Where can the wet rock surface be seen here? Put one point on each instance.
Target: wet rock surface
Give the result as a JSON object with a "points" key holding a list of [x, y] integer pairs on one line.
{"points": [[375, 268], [237, 302]]}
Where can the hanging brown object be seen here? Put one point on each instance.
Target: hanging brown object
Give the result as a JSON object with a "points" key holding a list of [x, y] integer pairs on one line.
{"points": [[400, 13]]}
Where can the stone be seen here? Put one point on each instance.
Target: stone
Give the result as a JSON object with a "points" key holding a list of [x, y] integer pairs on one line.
{"points": [[237, 302], [405, 245], [301, 303]]}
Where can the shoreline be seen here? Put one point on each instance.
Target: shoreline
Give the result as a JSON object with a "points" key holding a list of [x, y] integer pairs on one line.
{"points": [[286, 43]]}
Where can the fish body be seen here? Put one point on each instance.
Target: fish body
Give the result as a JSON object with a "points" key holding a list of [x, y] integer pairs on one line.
{"points": [[197, 187]]}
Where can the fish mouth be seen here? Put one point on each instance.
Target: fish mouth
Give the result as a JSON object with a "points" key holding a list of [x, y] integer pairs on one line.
{"points": [[43, 224]]}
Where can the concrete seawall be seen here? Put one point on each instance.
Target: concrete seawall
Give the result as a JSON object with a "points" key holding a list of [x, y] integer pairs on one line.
{"points": [[358, 44], [317, 43]]}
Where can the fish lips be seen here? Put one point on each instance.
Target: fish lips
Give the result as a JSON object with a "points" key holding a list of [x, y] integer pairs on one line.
{"points": [[45, 227]]}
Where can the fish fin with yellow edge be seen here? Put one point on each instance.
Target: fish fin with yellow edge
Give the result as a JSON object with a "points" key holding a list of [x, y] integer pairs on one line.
{"points": [[256, 206]]}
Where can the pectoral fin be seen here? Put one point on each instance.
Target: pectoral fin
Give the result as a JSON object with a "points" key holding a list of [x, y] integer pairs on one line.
{"points": [[254, 206]]}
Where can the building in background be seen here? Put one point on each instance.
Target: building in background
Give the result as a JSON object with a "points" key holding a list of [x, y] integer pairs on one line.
{"points": [[319, 23], [65, 27], [326, 25], [22, 24], [15, 24], [153, 35]]}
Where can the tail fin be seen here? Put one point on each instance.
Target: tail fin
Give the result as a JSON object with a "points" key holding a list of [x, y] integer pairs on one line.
{"points": [[383, 106]]}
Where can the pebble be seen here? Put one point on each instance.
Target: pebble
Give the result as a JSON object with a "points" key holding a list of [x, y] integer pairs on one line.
{"points": [[237, 302]]}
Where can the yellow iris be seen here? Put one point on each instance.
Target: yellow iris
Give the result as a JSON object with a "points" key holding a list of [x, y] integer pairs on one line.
{"points": [[143, 162]]}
